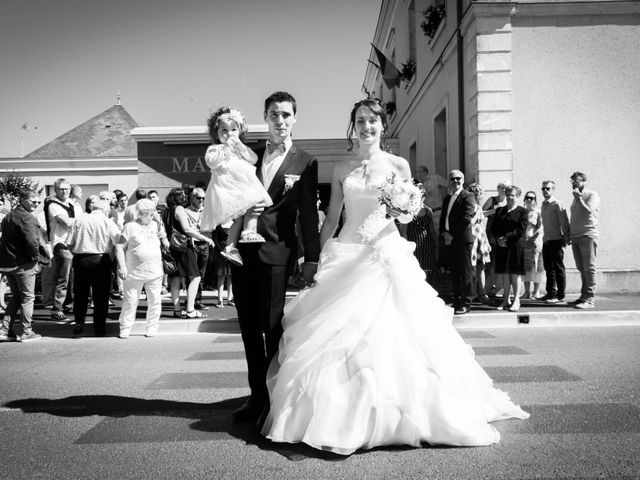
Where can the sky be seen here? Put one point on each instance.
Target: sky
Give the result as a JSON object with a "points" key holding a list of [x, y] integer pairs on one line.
{"points": [[63, 62]]}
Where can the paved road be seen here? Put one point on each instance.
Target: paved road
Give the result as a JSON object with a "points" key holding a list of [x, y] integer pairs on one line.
{"points": [[159, 408]]}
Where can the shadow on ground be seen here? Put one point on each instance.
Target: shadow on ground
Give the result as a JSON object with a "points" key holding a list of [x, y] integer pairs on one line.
{"points": [[211, 421]]}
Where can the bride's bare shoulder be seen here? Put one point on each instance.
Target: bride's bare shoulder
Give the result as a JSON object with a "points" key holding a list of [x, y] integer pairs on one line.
{"points": [[400, 165]]}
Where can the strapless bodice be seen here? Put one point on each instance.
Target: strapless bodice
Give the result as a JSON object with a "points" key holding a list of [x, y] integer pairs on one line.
{"points": [[364, 216]]}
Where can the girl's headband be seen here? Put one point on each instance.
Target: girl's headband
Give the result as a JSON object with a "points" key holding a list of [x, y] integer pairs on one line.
{"points": [[234, 115]]}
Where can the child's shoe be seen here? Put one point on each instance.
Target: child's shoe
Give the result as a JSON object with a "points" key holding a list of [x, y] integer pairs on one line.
{"points": [[249, 236], [233, 255]]}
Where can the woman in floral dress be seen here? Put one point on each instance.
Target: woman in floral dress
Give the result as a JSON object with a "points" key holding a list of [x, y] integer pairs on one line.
{"points": [[481, 251]]}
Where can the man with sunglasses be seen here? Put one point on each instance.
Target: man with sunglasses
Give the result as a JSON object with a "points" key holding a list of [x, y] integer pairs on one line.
{"points": [[458, 210], [555, 224], [19, 254]]}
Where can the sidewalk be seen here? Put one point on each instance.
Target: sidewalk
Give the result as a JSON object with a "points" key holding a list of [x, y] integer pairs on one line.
{"points": [[609, 310]]}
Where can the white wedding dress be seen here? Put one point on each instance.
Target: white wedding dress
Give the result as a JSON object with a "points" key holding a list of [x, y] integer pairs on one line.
{"points": [[369, 355]]}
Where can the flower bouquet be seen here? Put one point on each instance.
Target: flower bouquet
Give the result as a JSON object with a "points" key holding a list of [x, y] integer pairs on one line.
{"points": [[402, 195]]}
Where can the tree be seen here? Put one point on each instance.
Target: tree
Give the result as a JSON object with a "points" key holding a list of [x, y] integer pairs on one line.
{"points": [[12, 183]]}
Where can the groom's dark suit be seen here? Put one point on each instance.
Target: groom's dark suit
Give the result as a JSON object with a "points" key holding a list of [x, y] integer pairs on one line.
{"points": [[459, 252], [259, 286]]}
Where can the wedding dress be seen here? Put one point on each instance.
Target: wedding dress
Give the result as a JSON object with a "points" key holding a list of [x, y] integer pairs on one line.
{"points": [[369, 355]]}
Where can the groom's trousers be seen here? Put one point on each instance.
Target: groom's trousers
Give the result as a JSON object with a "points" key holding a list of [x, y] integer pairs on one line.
{"points": [[259, 291]]}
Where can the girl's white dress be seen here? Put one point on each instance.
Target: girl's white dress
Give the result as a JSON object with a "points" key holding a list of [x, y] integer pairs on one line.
{"points": [[233, 188], [369, 355]]}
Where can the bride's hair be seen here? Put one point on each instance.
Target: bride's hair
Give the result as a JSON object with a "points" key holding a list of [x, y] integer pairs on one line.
{"points": [[376, 107]]}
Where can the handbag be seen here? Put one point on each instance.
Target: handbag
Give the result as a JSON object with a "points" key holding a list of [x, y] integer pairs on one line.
{"points": [[168, 263], [178, 241]]}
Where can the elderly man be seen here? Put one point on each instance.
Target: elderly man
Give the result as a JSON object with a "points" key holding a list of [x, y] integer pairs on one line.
{"points": [[92, 240], [60, 217], [458, 210], [584, 237], [19, 261]]}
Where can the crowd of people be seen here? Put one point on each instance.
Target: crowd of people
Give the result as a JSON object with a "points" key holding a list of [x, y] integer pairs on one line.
{"points": [[502, 246], [88, 255], [109, 249]]}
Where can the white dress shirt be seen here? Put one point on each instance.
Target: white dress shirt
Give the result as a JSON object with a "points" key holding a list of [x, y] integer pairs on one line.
{"points": [[272, 162], [453, 198]]}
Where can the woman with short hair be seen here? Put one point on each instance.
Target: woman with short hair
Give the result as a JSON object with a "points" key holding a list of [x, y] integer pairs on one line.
{"points": [[509, 227], [140, 266]]}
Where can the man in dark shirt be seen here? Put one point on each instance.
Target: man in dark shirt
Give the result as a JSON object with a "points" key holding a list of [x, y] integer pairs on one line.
{"points": [[19, 250]]}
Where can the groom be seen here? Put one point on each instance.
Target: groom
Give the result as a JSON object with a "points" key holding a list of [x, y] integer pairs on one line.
{"points": [[290, 175]]}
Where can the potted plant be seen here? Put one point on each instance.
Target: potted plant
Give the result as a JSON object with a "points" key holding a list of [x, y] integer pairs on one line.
{"points": [[408, 70], [432, 18]]}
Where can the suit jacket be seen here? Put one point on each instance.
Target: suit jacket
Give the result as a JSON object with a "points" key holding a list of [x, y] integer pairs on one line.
{"points": [[20, 239], [460, 217], [294, 193]]}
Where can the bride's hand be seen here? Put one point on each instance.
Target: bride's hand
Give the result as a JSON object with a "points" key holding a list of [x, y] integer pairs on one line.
{"points": [[398, 215], [393, 212], [308, 272]]}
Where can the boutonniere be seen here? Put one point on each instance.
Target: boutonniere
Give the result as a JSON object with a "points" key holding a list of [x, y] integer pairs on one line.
{"points": [[289, 181]]}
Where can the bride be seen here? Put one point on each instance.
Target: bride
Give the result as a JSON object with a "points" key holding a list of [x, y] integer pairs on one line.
{"points": [[369, 355]]}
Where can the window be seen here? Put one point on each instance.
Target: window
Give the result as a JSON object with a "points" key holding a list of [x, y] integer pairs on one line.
{"points": [[440, 143], [412, 29], [393, 90], [413, 157]]}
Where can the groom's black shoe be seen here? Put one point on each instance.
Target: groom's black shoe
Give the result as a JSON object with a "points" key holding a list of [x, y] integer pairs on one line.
{"points": [[249, 411]]}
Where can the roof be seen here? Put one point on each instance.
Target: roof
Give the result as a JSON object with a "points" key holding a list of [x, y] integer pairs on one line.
{"points": [[105, 135]]}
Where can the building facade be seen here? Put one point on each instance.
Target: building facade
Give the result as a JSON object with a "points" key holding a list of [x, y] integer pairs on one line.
{"points": [[523, 91], [99, 154]]}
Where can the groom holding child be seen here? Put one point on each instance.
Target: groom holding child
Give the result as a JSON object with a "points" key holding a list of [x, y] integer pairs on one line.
{"points": [[290, 176]]}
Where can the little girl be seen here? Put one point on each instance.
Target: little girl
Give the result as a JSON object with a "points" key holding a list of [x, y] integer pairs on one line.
{"points": [[234, 187]]}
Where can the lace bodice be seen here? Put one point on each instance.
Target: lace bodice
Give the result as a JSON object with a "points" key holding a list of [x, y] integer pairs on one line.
{"points": [[364, 216]]}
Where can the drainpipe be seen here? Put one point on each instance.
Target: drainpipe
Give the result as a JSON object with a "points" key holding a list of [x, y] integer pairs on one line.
{"points": [[461, 101]]}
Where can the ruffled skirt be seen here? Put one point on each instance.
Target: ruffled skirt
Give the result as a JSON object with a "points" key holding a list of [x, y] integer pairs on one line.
{"points": [[369, 357]]}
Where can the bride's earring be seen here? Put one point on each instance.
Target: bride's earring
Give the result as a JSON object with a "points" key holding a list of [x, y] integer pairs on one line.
{"points": [[383, 144]]}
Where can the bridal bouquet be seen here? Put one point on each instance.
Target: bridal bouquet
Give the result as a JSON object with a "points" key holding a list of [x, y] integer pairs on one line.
{"points": [[401, 194]]}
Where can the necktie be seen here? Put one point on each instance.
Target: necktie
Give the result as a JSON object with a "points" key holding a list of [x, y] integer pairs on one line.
{"points": [[280, 148], [451, 200]]}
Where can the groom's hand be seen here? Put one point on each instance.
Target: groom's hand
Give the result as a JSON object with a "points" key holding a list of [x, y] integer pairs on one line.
{"points": [[308, 272]]}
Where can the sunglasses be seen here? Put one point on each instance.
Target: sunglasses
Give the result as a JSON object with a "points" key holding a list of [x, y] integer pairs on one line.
{"points": [[451, 179], [529, 198], [545, 188], [200, 198]]}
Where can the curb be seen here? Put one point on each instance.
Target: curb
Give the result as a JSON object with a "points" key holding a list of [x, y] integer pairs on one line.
{"points": [[228, 324], [548, 319]]}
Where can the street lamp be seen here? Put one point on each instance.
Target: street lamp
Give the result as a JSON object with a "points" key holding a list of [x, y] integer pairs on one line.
{"points": [[24, 127]]}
